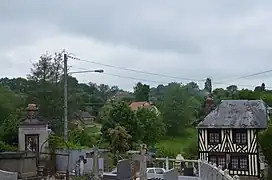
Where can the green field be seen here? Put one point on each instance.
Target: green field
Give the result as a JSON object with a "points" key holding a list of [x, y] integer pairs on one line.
{"points": [[171, 146], [93, 128]]}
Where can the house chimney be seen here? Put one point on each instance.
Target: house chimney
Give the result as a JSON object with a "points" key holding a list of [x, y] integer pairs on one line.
{"points": [[32, 111], [209, 104]]}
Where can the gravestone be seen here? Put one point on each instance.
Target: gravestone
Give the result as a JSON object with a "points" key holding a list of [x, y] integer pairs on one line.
{"points": [[188, 171], [124, 170], [139, 165], [171, 175], [33, 131]]}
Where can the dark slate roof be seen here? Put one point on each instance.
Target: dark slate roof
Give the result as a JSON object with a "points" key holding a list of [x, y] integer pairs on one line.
{"points": [[34, 121], [237, 114]]}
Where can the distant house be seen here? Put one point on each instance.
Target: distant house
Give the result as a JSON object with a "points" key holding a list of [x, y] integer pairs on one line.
{"points": [[228, 136], [86, 117], [83, 117], [144, 104]]}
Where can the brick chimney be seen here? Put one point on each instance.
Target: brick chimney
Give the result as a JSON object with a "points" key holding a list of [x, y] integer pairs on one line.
{"points": [[32, 111], [209, 104]]}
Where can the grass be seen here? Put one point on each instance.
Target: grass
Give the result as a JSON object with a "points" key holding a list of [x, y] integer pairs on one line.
{"points": [[93, 128], [171, 146]]}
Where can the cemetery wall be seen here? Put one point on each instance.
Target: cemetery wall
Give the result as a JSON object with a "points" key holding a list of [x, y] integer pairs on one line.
{"points": [[22, 162], [74, 154], [4, 175]]}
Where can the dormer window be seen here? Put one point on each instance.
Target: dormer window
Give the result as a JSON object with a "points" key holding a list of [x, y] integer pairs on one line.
{"points": [[240, 136], [214, 136]]}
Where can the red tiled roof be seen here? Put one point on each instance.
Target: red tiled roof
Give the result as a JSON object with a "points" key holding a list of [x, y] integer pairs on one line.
{"points": [[135, 105]]}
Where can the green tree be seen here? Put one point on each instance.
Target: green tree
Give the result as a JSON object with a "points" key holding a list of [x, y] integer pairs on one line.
{"points": [[10, 112], [208, 85], [141, 92], [260, 88], [232, 92], [120, 114], [120, 138], [178, 109], [266, 145], [152, 127]]}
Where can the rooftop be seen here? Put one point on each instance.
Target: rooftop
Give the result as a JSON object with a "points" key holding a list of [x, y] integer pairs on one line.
{"points": [[237, 114], [142, 104]]}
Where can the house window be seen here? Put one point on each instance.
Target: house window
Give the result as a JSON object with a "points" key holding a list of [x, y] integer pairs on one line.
{"points": [[239, 162], [240, 136], [214, 136], [32, 142], [213, 159], [222, 161], [218, 159]]}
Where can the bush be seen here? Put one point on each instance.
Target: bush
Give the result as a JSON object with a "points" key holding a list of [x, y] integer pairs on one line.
{"points": [[5, 147], [266, 145]]}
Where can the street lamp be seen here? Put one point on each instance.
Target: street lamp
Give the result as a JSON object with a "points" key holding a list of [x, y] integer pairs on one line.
{"points": [[66, 94], [87, 71]]}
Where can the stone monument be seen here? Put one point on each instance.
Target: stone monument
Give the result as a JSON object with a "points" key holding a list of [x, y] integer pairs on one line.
{"points": [[33, 132]]}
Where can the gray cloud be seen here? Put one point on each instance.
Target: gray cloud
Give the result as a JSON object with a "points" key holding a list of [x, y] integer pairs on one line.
{"points": [[195, 39]]}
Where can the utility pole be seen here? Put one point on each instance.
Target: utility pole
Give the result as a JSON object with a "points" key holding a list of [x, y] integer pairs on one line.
{"points": [[65, 99], [96, 163], [143, 175]]}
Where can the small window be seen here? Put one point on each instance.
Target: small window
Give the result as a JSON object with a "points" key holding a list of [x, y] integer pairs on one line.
{"points": [[213, 159], [214, 136], [240, 136], [151, 171], [235, 163], [219, 160], [239, 162], [243, 162]]}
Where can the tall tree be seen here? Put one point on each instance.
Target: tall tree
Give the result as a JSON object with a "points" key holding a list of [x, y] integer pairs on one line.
{"points": [[152, 126], [48, 92], [260, 88], [141, 92], [232, 92], [178, 109], [120, 114], [208, 85]]}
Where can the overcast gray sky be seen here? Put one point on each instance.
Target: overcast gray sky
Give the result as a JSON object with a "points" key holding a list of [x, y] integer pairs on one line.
{"points": [[188, 39]]}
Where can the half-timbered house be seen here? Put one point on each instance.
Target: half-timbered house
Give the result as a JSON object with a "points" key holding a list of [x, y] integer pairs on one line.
{"points": [[228, 136]]}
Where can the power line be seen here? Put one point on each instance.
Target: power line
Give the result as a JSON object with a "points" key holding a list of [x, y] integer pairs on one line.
{"points": [[160, 82], [163, 75], [137, 79], [137, 71], [249, 75]]}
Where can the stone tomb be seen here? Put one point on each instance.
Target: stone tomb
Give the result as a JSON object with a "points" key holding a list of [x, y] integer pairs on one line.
{"points": [[33, 132]]}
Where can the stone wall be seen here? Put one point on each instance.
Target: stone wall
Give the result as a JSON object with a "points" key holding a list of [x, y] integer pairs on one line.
{"points": [[24, 163], [62, 160], [5, 175]]}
